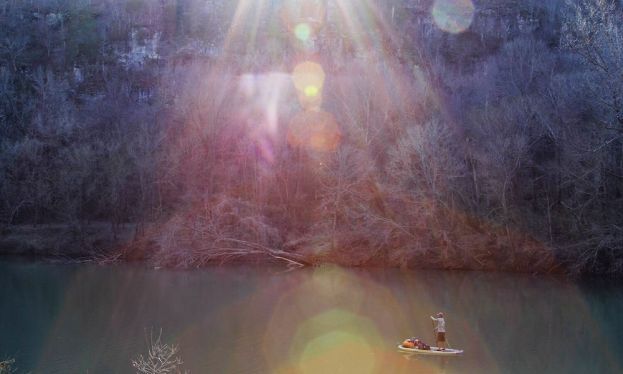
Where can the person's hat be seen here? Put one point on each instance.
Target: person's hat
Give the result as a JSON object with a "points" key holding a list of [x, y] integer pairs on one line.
{"points": [[440, 314]]}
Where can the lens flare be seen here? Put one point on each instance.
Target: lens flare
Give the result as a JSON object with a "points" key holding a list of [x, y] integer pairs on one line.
{"points": [[311, 91], [315, 130], [308, 74], [453, 16], [323, 341], [261, 97], [302, 31], [327, 353], [308, 78]]}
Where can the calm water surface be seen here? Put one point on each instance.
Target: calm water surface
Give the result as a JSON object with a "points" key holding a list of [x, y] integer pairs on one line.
{"points": [[90, 319]]}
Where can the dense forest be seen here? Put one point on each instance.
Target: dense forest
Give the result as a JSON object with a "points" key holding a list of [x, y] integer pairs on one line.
{"points": [[449, 133]]}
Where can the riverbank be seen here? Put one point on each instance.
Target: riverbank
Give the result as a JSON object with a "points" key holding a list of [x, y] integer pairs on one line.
{"points": [[185, 247]]}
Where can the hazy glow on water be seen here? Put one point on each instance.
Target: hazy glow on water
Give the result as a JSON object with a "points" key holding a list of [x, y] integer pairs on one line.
{"points": [[70, 319], [323, 353]]}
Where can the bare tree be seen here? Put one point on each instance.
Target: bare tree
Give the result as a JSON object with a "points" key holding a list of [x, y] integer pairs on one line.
{"points": [[161, 358], [6, 366]]}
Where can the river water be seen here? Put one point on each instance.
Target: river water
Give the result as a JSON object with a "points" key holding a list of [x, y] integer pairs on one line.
{"points": [[90, 319]]}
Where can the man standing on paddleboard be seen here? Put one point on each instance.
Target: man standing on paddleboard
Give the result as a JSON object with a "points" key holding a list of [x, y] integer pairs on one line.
{"points": [[440, 331]]}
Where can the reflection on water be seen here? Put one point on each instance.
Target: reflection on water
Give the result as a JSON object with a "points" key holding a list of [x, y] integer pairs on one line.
{"points": [[74, 319]]}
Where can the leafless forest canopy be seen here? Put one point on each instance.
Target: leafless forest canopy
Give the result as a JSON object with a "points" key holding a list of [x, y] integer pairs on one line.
{"points": [[499, 146]]}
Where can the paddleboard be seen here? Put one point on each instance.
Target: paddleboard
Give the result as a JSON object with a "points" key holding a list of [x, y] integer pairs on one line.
{"points": [[432, 351]]}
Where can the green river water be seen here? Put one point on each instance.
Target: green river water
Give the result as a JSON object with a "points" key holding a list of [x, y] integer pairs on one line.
{"points": [[59, 318]]}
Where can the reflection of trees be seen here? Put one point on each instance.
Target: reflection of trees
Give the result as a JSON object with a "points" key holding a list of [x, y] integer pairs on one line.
{"points": [[505, 323]]}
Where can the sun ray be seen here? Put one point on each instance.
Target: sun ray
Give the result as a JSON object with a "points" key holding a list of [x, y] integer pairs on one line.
{"points": [[242, 9]]}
